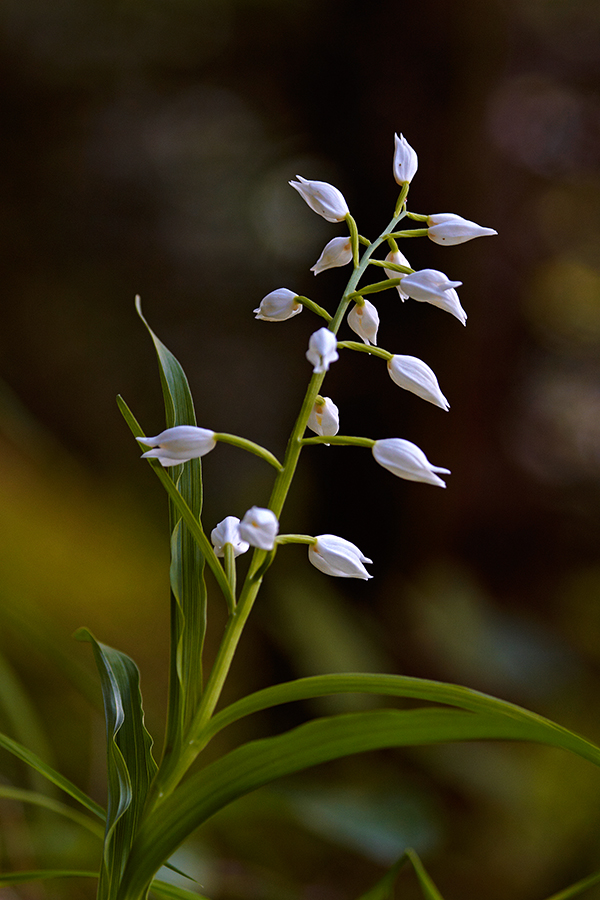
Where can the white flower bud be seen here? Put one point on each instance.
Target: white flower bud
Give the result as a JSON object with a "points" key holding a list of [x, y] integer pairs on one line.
{"points": [[431, 286], [414, 375], [450, 303], [405, 160], [399, 259], [228, 532], [323, 198], [338, 252], [448, 228], [406, 460], [179, 444], [427, 285], [324, 418], [322, 350], [335, 556], [259, 527], [278, 306], [363, 319]]}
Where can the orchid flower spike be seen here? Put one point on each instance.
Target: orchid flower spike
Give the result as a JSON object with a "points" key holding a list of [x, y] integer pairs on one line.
{"points": [[278, 306], [228, 532], [448, 228], [323, 198], [335, 556], [322, 350], [259, 528], [405, 160], [399, 259], [179, 444], [324, 418], [414, 375], [408, 461], [338, 252], [363, 319]]}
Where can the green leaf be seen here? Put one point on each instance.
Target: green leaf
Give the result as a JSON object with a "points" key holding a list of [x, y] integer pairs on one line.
{"points": [[43, 875], [578, 888], [397, 686], [188, 605], [428, 888], [51, 774], [21, 795], [172, 892], [384, 888], [260, 762], [129, 758], [21, 715]]}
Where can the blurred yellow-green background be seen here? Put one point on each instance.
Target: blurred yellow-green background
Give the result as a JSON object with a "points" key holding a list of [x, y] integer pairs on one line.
{"points": [[146, 148]]}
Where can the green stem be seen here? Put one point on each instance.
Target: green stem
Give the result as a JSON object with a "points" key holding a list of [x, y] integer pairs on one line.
{"points": [[343, 440], [314, 307], [365, 348], [250, 446]]}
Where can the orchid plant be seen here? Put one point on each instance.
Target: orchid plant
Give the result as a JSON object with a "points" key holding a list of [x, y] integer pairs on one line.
{"points": [[152, 808]]}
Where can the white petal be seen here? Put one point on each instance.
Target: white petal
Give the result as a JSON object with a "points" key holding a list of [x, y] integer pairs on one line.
{"points": [[338, 252], [414, 375], [408, 461], [322, 350], [260, 528], [363, 319]]}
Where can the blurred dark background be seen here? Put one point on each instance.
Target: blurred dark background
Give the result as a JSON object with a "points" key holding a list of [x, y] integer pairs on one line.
{"points": [[146, 147]]}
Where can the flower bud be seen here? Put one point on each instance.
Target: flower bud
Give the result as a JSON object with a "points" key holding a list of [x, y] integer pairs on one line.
{"points": [[406, 460], [431, 286], [427, 285], [363, 319], [278, 306], [324, 418], [399, 259], [414, 375], [338, 252], [259, 528], [322, 350], [335, 556], [323, 198], [405, 160], [448, 228], [179, 444], [228, 532]]}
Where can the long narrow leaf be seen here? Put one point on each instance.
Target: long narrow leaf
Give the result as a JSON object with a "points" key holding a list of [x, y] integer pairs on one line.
{"points": [[261, 762], [578, 888], [189, 598], [129, 758], [21, 795], [51, 774], [428, 888], [43, 875], [394, 686], [384, 888], [173, 892]]}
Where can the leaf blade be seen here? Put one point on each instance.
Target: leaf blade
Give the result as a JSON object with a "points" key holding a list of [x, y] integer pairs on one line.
{"points": [[260, 762], [130, 764]]}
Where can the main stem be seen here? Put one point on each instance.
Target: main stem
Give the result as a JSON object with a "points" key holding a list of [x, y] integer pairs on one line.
{"points": [[173, 771]]}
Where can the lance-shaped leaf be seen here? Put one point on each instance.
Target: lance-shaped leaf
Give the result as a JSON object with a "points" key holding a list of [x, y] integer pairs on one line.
{"points": [[188, 605], [261, 762], [129, 758]]}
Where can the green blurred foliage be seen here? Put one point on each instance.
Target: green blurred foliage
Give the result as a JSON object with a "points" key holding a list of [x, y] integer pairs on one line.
{"points": [[146, 148]]}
